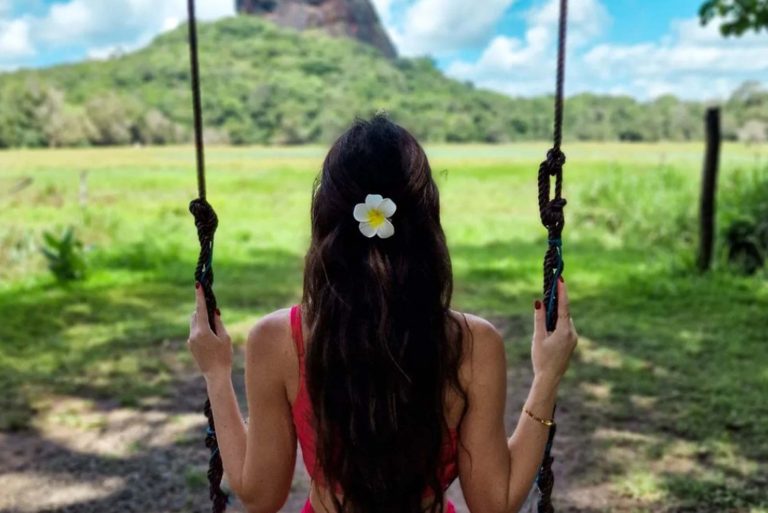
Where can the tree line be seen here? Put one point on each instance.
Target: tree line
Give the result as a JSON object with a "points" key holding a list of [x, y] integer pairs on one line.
{"points": [[267, 85]]}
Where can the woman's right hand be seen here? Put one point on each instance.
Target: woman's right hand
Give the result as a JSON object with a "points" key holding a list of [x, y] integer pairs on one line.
{"points": [[551, 351]]}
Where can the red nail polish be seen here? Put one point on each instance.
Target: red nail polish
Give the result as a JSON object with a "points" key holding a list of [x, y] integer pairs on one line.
{"points": [[197, 284], [562, 280], [218, 312], [537, 305]]}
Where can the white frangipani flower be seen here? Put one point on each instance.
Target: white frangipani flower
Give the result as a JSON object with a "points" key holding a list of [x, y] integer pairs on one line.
{"points": [[374, 215]]}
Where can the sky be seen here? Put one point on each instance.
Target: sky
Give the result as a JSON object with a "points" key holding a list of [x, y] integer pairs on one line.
{"points": [[642, 48]]}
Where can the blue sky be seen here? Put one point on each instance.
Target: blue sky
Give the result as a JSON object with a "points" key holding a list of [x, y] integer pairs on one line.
{"points": [[643, 48]]}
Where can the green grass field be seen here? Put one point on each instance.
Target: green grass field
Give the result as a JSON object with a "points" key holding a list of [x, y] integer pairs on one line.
{"points": [[666, 396]]}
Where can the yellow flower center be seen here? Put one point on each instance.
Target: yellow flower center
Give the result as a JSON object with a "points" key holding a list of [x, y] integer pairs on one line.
{"points": [[376, 218]]}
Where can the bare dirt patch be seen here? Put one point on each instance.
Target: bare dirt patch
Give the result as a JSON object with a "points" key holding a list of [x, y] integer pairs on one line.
{"points": [[89, 456]]}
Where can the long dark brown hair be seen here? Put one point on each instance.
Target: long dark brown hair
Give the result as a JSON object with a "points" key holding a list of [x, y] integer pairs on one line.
{"points": [[384, 347]]}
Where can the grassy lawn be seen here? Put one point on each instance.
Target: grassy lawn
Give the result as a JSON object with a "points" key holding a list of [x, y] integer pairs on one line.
{"points": [[667, 396]]}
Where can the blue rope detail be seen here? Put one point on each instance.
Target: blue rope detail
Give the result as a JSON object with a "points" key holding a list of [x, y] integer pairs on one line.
{"points": [[209, 431]]}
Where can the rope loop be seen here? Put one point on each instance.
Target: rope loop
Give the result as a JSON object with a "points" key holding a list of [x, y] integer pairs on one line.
{"points": [[556, 160], [553, 216], [206, 220], [551, 208]]}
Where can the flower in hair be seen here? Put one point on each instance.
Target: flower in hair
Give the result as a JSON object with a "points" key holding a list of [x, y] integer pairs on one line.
{"points": [[374, 215]]}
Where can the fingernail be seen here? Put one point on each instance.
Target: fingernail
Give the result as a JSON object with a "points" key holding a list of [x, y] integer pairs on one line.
{"points": [[562, 280], [197, 284], [218, 312], [537, 305]]}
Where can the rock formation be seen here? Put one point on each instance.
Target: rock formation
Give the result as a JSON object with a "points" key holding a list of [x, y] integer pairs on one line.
{"points": [[351, 18]]}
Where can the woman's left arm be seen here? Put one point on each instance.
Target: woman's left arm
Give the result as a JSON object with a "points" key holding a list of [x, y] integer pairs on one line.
{"points": [[259, 460]]}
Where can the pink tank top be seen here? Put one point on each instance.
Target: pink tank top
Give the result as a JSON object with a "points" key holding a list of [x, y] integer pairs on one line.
{"points": [[303, 420]]}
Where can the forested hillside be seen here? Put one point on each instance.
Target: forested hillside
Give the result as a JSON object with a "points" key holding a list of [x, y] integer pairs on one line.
{"points": [[268, 85]]}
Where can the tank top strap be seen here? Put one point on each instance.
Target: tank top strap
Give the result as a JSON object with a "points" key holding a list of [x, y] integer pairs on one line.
{"points": [[296, 334]]}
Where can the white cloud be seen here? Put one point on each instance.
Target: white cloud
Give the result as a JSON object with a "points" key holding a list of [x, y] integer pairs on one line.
{"points": [[690, 61], [383, 8], [170, 23], [97, 21], [15, 41], [98, 27], [443, 26], [525, 66], [587, 19]]}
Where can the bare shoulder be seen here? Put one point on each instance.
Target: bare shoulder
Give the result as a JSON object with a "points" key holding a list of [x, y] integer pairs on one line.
{"points": [[270, 338], [478, 329], [477, 325], [483, 342]]}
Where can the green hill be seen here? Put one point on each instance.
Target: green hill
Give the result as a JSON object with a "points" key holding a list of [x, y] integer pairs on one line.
{"points": [[265, 84]]}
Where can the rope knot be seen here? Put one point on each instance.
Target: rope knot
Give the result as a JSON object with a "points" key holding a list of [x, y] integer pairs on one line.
{"points": [[555, 159], [552, 216], [206, 220]]}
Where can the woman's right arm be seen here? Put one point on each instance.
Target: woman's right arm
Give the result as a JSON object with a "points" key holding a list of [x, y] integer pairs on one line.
{"points": [[497, 472]]}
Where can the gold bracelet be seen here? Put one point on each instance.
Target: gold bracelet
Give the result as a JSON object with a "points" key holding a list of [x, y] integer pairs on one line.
{"points": [[548, 423]]}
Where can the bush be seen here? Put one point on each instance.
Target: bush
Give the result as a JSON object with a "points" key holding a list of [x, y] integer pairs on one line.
{"points": [[65, 255], [113, 119], [744, 219]]}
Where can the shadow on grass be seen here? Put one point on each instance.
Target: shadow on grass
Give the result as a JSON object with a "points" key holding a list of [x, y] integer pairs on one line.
{"points": [[147, 464], [664, 401], [110, 336], [672, 365]]}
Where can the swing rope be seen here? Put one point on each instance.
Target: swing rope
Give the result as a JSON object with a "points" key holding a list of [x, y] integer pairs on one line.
{"points": [[553, 219], [206, 223]]}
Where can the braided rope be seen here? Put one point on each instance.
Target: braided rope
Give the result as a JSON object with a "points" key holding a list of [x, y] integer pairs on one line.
{"points": [[553, 219], [197, 108], [206, 223]]}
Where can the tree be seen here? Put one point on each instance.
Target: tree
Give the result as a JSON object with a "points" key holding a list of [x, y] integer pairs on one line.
{"points": [[753, 132], [37, 116], [61, 124], [738, 16], [113, 120]]}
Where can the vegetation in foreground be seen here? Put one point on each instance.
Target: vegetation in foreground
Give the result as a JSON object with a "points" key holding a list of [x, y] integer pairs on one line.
{"points": [[667, 393]]}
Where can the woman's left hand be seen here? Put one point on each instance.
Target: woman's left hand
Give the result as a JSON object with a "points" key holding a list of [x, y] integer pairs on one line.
{"points": [[212, 351]]}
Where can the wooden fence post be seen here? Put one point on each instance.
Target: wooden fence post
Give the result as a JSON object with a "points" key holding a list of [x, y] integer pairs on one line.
{"points": [[709, 189]]}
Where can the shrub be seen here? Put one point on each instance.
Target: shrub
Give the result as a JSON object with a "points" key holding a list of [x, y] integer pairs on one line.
{"points": [[65, 255], [744, 219]]}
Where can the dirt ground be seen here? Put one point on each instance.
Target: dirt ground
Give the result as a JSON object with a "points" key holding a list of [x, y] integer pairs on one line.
{"points": [[89, 456]]}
